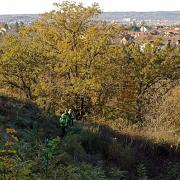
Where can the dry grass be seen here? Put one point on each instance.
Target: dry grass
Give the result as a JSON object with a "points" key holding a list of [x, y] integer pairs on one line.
{"points": [[162, 123]]}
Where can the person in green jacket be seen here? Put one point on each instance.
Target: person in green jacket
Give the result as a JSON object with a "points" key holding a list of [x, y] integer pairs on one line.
{"points": [[64, 122]]}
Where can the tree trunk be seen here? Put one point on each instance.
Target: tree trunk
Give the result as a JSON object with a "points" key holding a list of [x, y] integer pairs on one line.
{"points": [[139, 113]]}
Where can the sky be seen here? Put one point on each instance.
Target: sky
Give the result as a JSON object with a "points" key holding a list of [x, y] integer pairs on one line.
{"points": [[40, 6]]}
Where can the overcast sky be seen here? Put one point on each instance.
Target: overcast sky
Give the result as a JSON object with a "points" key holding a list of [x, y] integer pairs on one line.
{"points": [[40, 6]]}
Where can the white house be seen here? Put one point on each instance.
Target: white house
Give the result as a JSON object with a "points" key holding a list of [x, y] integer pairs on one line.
{"points": [[3, 29], [143, 29]]}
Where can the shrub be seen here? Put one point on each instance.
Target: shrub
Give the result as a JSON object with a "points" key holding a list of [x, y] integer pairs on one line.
{"points": [[78, 172], [171, 173], [141, 172], [117, 174], [122, 154], [72, 145]]}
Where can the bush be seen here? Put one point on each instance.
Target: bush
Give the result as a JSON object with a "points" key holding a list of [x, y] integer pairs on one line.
{"points": [[117, 174], [78, 172], [121, 154], [93, 142], [171, 173], [72, 145], [141, 172]]}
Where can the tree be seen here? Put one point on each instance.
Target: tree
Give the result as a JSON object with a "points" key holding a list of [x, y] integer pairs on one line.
{"points": [[134, 27], [79, 58], [6, 26], [20, 65], [16, 27], [150, 70]]}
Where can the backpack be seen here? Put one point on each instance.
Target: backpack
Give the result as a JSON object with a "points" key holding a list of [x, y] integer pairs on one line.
{"points": [[63, 120]]}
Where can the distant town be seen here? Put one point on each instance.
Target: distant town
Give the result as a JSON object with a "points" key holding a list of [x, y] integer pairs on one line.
{"points": [[138, 26], [167, 18]]}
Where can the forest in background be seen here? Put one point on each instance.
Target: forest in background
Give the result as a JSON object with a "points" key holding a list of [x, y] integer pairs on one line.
{"points": [[128, 96]]}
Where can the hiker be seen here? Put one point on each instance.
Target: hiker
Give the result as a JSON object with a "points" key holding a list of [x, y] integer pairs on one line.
{"points": [[72, 116], [64, 122]]}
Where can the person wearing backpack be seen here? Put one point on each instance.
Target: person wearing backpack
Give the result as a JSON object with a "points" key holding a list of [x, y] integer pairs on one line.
{"points": [[64, 122], [72, 116]]}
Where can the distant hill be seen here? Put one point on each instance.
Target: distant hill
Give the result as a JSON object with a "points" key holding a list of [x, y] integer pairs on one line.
{"points": [[161, 17], [25, 18], [157, 17]]}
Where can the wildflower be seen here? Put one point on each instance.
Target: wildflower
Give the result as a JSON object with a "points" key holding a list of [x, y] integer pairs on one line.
{"points": [[14, 138], [7, 152], [2, 152], [10, 130], [9, 143], [11, 151]]}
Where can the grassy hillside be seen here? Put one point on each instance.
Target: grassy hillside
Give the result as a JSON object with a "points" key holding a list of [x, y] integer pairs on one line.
{"points": [[89, 150]]}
